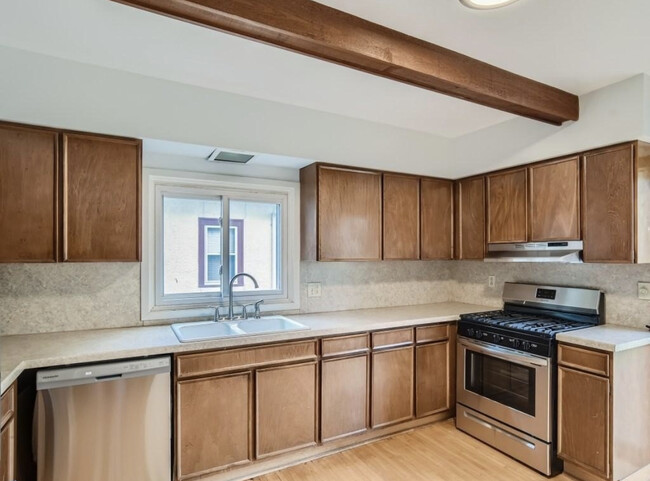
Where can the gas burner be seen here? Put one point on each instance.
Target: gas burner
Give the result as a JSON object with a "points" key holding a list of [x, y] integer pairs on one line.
{"points": [[523, 322]]}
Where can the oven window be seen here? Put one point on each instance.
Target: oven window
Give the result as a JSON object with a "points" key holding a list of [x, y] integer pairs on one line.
{"points": [[504, 382]]}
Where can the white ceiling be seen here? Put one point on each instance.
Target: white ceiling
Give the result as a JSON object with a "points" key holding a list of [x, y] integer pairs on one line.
{"points": [[577, 45]]}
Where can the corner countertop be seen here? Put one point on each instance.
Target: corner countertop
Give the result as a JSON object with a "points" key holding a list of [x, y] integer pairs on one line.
{"points": [[609, 337], [18, 353]]}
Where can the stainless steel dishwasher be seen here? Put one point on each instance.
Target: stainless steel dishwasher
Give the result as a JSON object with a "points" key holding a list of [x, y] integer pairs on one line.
{"points": [[104, 422]]}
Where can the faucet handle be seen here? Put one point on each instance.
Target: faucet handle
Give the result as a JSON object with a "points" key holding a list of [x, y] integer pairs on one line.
{"points": [[257, 308], [244, 310], [217, 313]]}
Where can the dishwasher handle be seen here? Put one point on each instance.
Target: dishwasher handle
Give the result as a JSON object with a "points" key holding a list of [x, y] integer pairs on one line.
{"points": [[96, 373]]}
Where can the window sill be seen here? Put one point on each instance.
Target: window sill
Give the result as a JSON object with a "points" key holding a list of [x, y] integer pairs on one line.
{"points": [[187, 313]]}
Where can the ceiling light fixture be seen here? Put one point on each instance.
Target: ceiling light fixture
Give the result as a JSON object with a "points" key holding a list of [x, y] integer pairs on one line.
{"points": [[486, 4]]}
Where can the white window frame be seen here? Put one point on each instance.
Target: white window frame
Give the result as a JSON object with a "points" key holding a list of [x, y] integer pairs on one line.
{"points": [[155, 307]]}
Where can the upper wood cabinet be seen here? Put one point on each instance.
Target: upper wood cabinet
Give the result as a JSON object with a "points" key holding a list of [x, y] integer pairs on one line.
{"points": [[507, 218], [554, 200], [401, 198], [101, 198], [608, 199], [28, 194], [437, 219], [68, 196], [341, 214], [470, 218]]}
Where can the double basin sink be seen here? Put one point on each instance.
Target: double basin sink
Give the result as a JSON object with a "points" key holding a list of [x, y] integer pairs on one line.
{"points": [[208, 330]]}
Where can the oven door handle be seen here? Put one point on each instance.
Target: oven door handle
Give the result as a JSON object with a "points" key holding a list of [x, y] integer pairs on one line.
{"points": [[503, 353]]}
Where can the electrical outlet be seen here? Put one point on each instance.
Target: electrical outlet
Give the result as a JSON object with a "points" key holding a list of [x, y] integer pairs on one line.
{"points": [[644, 290], [313, 289], [492, 281]]}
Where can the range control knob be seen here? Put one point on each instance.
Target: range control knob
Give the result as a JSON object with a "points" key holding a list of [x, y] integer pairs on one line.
{"points": [[479, 334], [470, 332], [516, 343], [525, 345]]}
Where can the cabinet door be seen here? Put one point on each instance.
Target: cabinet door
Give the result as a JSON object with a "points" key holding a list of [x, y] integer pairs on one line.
{"points": [[432, 378], [101, 198], [28, 194], [437, 213], [470, 218], [506, 205], [608, 205], [349, 215], [392, 386], [213, 423], [286, 408], [554, 200], [6, 453], [584, 420], [344, 396], [401, 217]]}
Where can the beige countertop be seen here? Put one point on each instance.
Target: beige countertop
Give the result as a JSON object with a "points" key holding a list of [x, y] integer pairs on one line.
{"points": [[609, 337], [30, 351]]}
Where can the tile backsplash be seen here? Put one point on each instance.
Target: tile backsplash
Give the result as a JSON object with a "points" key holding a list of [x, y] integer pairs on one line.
{"points": [[619, 282], [62, 297], [68, 296]]}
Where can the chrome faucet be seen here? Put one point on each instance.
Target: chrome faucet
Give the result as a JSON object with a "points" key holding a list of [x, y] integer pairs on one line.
{"points": [[232, 281]]}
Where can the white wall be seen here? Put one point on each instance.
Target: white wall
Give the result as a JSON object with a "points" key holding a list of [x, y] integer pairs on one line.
{"points": [[45, 90], [185, 163], [615, 113]]}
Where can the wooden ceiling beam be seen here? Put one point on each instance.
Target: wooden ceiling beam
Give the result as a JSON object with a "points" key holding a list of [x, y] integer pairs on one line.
{"points": [[323, 32]]}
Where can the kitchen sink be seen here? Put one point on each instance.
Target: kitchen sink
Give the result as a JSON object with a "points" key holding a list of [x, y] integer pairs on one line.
{"points": [[270, 324], [208, 330]]}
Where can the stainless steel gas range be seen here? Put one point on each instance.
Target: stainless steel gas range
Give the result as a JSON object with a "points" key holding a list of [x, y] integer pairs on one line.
{"points": [[507, 369]]}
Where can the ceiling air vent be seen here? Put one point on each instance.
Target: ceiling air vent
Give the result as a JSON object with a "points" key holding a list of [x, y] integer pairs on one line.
{"points": [[224, 156]]}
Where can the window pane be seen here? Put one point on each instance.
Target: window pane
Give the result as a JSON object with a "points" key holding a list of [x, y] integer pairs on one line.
{"points": [[213, 242], [255, 227], [191, 233], [214, 266]]}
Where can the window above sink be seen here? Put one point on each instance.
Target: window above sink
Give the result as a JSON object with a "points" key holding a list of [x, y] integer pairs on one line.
{"points": [[184, 271]]}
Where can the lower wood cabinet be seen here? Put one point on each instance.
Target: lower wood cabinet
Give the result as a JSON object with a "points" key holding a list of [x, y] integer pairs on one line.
{"points": [[8, 405], [583, 401], [214, 423], [344, 396], [603, 415], [432, 378], [286, 413], [241, 410], [392, 386]]}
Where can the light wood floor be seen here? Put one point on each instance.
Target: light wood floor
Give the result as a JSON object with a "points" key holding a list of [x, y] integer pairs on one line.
{"points": [[433, 453]]}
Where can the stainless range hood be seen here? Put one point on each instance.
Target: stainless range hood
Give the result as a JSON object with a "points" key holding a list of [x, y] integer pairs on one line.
{"points": [[557, 251]]}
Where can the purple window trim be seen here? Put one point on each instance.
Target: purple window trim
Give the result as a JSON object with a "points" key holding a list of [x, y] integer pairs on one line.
{"points": [[209, 221]]}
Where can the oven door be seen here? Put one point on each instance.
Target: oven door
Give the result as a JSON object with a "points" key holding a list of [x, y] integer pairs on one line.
{"points": [[507, 385]]}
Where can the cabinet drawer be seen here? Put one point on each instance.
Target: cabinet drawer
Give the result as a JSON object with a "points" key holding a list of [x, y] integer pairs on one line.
{"points": [[188, 365], [396, 337], [344, 345], [584, 359], [7, 405], [432, 333]]}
